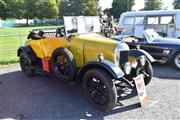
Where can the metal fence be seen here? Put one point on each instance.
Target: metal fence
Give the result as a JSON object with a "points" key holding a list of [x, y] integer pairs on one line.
{"points": [[8, 47], [10, 43]]}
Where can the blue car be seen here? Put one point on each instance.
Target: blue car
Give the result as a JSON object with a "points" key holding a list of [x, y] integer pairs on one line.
{"points": [[164, 50]]}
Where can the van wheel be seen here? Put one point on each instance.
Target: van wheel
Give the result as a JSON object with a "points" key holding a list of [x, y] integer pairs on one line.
{"points": [[100, 89], [176, 60], [25, 65], [63, 64]]}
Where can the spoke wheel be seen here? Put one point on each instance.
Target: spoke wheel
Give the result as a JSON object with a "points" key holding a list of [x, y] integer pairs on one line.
{"points": [[63, 64], [25, 65], [99, 89], [147, 71]]}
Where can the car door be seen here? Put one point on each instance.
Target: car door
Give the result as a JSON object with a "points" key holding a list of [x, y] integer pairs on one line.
{"points": [[154, 49]]}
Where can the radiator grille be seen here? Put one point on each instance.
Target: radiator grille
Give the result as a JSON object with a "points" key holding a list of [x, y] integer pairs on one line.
{"points": [[123, 57]]}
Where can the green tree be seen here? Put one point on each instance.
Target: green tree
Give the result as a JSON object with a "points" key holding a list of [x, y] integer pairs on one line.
{"points": [[153, 5], [89, 7], [120, 6], [10, 9], [30, 9], [176, 4], [41, 9], [77, 7], [2, 10], [46, 9]]}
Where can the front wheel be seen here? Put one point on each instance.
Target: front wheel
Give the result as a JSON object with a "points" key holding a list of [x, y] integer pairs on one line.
{"points": [[147, 71], [176, 60], [100, 89]]}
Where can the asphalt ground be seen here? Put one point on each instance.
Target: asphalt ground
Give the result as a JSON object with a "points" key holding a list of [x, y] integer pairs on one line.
{"points": [[46, 98]]}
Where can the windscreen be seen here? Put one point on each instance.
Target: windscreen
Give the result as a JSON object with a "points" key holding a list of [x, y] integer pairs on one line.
{"points": [[83, 24], [151, 35]]}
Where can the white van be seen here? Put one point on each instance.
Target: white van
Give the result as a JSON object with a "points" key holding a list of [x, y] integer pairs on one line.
{"points": [[165, 22]]}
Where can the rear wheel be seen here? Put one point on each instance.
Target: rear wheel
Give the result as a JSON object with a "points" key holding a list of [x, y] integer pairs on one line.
{"points": [[25, 65], [176, 60], [63, 64], [100, 89]]}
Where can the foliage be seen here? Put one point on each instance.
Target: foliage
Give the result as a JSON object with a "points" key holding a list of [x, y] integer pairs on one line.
{"points": [[77, 7], [10, 9], [46, 9], [42, 9], [2, 9], [153, 5], [120, 6], [30, 8], [176, 4]]}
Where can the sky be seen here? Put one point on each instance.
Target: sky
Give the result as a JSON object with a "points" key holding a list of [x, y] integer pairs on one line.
{"points": [[139, 4]]}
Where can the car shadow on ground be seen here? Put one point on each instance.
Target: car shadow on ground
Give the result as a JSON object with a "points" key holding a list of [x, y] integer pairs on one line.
{"points": [[44, 97], [166, 71]]}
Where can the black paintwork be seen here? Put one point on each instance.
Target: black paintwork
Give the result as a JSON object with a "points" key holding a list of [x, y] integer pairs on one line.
{"points": [[156, 48]]}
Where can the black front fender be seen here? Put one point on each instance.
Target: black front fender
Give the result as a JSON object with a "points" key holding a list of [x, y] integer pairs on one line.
{"points": [[138, 52], [105, 65]]}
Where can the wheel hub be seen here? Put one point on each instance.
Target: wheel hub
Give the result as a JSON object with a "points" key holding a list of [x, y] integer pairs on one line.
{"points": [[98, 91], [62, 66]]}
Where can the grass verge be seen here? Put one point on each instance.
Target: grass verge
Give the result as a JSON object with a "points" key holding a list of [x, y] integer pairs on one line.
{"points": [[10, 44]]}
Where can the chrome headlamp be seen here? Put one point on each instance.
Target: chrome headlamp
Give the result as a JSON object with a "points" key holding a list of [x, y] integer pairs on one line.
{"points": [[121, 46], [166, 52], [116, 57], [134, 63], [142, 60], [127, 68]]}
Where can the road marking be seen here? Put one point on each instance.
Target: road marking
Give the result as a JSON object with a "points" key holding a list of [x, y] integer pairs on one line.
{"points": [[154, 102]]}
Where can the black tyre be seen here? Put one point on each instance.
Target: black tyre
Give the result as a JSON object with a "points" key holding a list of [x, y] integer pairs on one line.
{"points": [[176, 60], [147, 70], [100, 89], [25, 65], [63, 64]]}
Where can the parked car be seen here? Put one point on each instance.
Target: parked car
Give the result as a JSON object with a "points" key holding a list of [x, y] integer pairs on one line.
{"points": [[100, 63], [164, 50], [165, 22]]}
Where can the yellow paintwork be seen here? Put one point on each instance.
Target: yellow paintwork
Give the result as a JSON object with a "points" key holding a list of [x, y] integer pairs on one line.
{"points": [[45, 47], [95, 45], [85, 47]]}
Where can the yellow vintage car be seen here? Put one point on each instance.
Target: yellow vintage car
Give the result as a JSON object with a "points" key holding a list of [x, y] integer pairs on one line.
{"points": [[99, 63]]}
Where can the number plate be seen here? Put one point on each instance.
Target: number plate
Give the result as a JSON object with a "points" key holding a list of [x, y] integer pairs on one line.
{"points": [[141, 89]]}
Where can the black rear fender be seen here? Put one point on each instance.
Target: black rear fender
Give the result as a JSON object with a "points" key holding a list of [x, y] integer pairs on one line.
{"points": [[28, 51]]}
